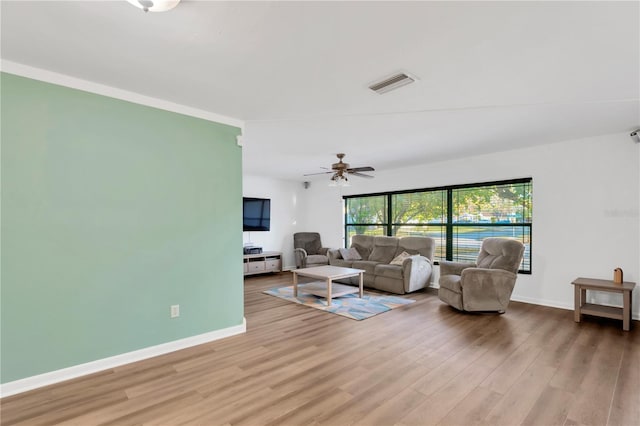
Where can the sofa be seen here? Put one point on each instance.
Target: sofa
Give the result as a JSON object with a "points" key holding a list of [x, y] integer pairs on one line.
{"points": [[413, 262]]}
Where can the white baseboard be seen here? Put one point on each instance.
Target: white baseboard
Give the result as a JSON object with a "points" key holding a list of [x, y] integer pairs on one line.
{"points": [[45, 379], [543, 302]]}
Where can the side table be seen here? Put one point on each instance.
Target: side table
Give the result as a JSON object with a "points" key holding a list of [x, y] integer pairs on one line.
{"points": [[581, 285]]}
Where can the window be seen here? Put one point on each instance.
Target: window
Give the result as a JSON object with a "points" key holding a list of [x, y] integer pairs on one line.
{"points": [[366, 215], [457, 217], [421, 214], [499, 210]]}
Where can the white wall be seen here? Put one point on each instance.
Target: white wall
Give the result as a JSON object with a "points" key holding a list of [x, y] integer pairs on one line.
{"points": [[284, 214], [586, 209]]}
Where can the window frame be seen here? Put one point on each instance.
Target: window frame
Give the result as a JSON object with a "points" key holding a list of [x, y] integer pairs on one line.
{"points": [[449, 224]]}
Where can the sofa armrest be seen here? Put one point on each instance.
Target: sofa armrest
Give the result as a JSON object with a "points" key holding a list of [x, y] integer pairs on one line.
{"points": [[486, 289], [416, 272], [300, 254], [454, 268], [323, 250]]}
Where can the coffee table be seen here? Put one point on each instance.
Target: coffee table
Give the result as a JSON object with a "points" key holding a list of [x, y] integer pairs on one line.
{"points": [[327, 288]]}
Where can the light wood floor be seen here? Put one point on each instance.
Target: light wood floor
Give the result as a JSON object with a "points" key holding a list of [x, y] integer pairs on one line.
{"points": [[418, 365]]}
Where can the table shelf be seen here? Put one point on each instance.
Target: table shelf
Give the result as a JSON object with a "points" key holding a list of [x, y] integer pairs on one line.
{"points": [[602, 311], [319, 288]]}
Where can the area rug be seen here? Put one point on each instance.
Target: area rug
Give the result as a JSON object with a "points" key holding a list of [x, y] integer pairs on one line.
{"points": [[350, 305]]}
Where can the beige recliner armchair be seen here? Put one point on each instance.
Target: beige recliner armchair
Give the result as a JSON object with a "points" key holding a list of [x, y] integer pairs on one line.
{"points": [[487, 284], [308, 250]]}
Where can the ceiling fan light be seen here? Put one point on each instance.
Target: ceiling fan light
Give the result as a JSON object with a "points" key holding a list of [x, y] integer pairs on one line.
{"points": [[339, 179], [154, 5]]}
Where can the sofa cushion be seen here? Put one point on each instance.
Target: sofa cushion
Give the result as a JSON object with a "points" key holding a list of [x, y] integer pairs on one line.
{"points": [[400, 258], [451, 282], [364, 245], [342, 262], [500, 253], [416, 245], [367, 265], [310, 245], [315, 259], [384, 249], [350, 254], [390, 271]]}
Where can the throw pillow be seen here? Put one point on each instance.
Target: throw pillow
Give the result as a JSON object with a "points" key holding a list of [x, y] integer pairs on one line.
{"points": [[400, 258], [350, 254]]}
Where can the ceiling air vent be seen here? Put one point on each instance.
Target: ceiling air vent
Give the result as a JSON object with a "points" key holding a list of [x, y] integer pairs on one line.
{"points": [[392, 83]]}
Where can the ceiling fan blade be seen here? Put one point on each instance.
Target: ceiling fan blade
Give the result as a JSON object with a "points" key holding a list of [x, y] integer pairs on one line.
{"points": [[361, 169], [321, 173], [360, 175]]}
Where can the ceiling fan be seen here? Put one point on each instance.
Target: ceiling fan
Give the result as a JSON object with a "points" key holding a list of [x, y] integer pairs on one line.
{"points": [[340, 170]]}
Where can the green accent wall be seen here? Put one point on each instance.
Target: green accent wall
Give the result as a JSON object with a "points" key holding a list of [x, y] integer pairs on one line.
{"points": [[112, 212]]}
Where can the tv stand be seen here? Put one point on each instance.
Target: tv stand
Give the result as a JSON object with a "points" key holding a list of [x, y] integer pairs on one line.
{"points": [[267, 261]]}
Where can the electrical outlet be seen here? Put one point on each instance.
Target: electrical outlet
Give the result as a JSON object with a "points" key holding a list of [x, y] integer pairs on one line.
{"points": [[175, 311]]}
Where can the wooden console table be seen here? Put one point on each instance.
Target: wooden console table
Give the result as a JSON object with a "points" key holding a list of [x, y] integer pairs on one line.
{"points": [[260, 263], [581, 285]]}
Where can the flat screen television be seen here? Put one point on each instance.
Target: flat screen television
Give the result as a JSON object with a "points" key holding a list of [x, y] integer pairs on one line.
{"points": [[256, 214]]}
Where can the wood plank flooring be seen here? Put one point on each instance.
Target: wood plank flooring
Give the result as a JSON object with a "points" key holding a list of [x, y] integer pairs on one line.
{"points": [[422, 364]]}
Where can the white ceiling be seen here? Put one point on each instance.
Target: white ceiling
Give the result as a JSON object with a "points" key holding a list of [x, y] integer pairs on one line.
{"points": [[492, 75]]}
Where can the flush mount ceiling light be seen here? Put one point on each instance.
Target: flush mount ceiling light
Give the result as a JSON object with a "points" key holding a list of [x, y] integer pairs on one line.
{"points": [[391, 83], [155, 5]]}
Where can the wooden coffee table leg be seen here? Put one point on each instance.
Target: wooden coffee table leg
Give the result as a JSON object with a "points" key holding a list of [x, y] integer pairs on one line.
{"points": [[361, 283], [328, 291], [295, 284], [626, 310], [577, 303], [630, 306]]}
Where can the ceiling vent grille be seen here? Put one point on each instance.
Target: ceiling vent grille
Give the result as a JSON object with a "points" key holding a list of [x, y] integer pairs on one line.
{"points": [[392, 83]]}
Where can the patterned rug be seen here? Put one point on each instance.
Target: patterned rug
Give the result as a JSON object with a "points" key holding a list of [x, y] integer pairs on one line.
{"points": [[350, 305]]}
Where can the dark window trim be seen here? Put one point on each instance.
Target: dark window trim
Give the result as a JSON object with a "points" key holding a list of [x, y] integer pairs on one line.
{"points": [[442, 188], [449, 225]]}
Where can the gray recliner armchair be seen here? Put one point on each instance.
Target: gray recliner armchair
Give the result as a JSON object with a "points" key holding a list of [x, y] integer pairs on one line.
{"points": [[487, 284], [308, 250]]}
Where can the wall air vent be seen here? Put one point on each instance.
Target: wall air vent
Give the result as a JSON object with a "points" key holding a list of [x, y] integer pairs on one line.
{"points": [[392, 83]]}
